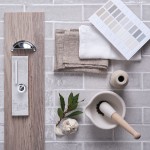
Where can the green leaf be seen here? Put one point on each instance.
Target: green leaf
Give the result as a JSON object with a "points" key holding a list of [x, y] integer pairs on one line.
{"points": [[75, 113], [74, 103], [73, 107], [75, 98], [60, 112], [62, 102], [70, 99]]}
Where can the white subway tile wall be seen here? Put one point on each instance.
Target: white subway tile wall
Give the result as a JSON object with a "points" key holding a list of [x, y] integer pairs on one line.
{"points": [[71, 14]]}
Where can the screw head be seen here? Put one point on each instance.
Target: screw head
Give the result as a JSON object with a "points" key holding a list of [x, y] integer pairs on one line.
{"points": [[21, 88]]}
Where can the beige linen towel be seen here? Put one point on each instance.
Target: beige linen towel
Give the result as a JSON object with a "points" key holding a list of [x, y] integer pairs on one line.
{"points": [[67, 54]]}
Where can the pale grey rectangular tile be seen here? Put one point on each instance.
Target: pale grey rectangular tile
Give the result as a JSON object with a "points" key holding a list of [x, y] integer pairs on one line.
{"points": [[1, 98], [89, 10], [1, 29], [146, 81], [113, 146], [2, 82], [1, 46], [49, 98], [49, 133], [64, 146], [135, 81], [87, 120], [131, 1], [133, 115], [1, 132], [146, 49], [88, 133], [88, 1], [148, 24], [63, 81], [147, 115], [102, 81], [1, 115], [136, 9], [79, 1], [135, 98], [97, 81], [121, 135], [49, 47], [145, 1], [145, 12], [26, 1], [38, 1], [69, 25], [1, 146], [1, 64], [138, 66], [146, 145], [9, 8], [49, 62], [51, 116], [48, 30], [59, 13], [10, 1]]}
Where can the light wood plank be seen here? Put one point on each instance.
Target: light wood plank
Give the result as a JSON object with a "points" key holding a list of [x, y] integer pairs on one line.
{"points": [[25, 133]]}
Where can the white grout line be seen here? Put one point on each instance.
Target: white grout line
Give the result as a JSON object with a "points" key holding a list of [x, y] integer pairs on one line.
{"points": [[79, 4], [83, 80], [53, 30], [142, 80], [142, 115], [113, 134], [83, 146], [141, 11], [24, 8], [142, 146]]}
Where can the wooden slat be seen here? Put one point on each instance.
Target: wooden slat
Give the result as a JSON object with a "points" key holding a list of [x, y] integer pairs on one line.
{"points": [[25, 133]]}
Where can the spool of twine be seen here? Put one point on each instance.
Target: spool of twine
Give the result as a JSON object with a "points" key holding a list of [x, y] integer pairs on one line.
{"points": [[119, 79]]}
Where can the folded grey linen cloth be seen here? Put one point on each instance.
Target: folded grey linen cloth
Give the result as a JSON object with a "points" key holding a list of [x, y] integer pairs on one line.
{"points": [[67, 54]]}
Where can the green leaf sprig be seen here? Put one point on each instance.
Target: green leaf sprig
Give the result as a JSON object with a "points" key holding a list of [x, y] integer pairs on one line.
{"points": [[70, 110]]}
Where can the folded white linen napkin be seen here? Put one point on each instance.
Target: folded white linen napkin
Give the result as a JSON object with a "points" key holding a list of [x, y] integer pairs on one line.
{"points": [[93, 45]]}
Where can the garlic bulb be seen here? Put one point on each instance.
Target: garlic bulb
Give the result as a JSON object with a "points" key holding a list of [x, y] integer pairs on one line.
{"points": [[69, 126], [58, 131]]}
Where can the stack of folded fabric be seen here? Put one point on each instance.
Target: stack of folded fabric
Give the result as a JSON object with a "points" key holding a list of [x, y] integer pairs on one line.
{"points": [[93, 45], [67, 54]]}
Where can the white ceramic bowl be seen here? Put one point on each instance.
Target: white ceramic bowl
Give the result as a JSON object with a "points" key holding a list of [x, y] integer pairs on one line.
{"points": [[114, 100]]}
